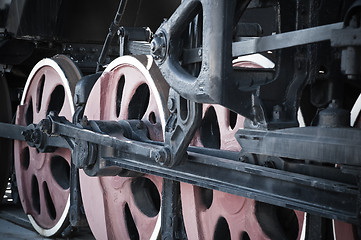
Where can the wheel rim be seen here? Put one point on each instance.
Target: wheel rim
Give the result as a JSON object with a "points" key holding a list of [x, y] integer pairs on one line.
{"points": [[126, 207], [43, 178]]}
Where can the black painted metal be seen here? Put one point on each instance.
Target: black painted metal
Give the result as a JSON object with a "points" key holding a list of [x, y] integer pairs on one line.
{"points": [[83, 88], [5, 144], [77, 216], [212, 169], [334, 116], [12, 131], [295, 66], [201, 70], [325, 145], [322, 197], [76, 211], [219, 170], [134, 41], [15, 51], [185, 119], [112, 31], [349, 38], [217, 21], [81, 21], [284, 40], [318, 228], [172, 224]]}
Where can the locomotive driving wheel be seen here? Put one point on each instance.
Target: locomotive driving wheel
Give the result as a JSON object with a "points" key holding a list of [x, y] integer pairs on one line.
{"points": [[43, 178], [126, 207], [211, 214]]}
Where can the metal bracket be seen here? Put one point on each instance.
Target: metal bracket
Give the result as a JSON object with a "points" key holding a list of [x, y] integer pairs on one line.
{"points": [[172, 224], [134, 41], [327, 198], [216, 38], [182, 124], [284, 40], [349, 38]]}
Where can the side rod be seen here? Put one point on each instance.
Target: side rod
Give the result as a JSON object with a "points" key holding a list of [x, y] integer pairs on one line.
{"points": [[220, 170], [317, 196], [284, 40], [12, 131]]}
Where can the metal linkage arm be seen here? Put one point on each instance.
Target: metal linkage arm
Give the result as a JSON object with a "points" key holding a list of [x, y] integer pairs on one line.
{"points": [[56, 131], [211, 169], [285, 40], [181, 126], [33, 135], [277, 41], [217, 20], [91, 140], [12, 131], [326, 145]]}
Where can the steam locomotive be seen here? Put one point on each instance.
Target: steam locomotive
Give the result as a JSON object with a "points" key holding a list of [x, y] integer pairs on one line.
{"points": [[192, 119]]}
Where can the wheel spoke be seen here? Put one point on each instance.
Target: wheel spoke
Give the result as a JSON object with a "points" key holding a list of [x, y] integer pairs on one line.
{"points": [[27, 174], [114, 203]]}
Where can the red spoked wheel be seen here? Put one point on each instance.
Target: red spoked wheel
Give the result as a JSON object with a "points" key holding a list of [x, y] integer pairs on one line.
{"points": [[210, 214], [126, 207], [43, 178]]}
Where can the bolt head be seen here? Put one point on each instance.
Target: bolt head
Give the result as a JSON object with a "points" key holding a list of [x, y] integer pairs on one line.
{"points": [[171, 104], [157, 156], [158, 46], [152, 46], [161, 156], [45, 125]]}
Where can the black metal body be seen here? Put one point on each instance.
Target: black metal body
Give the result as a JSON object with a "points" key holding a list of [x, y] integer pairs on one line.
{"points": [[255, 93], [172, 221]]}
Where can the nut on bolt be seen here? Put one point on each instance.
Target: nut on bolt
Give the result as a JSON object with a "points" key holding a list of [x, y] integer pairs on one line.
{"points": [[45, 125], [171, 104], [158, 46], [161, 156]]}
